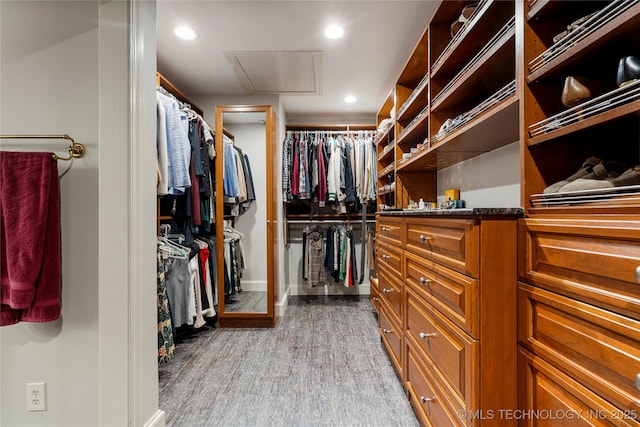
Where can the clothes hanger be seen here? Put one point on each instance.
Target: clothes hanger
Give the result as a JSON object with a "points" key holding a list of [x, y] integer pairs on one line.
{"points": [[179, 237], [172, 249]]}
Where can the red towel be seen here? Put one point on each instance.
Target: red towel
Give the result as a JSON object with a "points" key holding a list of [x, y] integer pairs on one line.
{"points": [[30, 270]]}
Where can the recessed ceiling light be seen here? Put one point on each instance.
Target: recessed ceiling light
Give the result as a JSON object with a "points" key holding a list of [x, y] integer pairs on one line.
{"points": [[334, 31], [185, 33], [350, 99]]}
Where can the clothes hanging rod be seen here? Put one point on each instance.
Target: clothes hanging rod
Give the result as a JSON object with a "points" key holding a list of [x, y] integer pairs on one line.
{"points": [[334, 132], [162, 81], [229, 134], [323, 126], [327, 221], [76, 150]]}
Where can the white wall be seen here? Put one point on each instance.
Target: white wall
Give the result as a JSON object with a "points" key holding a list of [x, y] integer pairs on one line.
{"points": [[65, 68], [282, 288], [491, 180], [51, 87]]}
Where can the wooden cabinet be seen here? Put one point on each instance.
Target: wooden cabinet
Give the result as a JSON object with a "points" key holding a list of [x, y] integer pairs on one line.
{"points": [[457, 314], [451, 353], [560, 401], [390, 289], [498, 80], [452, 293], [453, 243], [374, 293], [596, 347], [579, 249], [392, 337], [428, 398], [591, 259]]}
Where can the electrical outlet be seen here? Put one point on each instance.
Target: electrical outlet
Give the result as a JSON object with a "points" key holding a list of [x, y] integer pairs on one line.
{"points": [[36, 397]]}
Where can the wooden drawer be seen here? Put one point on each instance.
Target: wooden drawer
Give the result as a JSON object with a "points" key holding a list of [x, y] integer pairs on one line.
{"points": [[454, 294], [390, 290], [373, 283], [597, 348], [427, 397], [451, 353], [391, 337], [374, 297], [548, 392], [388, 230], [390, 258], [593, 261], [451, 242]]}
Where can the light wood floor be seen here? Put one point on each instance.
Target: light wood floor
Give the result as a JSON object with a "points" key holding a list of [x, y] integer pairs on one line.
{"points": [[323, 365]]}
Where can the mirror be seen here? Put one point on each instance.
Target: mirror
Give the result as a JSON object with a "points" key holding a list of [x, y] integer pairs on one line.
{"points": [[244, 215]]}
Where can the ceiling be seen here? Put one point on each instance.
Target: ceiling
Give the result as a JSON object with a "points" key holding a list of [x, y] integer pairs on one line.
{"points": [[267, 47]]}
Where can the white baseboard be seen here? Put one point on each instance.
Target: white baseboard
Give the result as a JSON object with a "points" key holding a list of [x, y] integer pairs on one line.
{"points": [[157, 420], [281, 306], [330, 289], [254, 285]]}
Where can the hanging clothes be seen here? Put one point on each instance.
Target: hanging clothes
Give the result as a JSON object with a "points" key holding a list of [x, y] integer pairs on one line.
{"points": [[338, 171], [239, 192], [166, 344], [184, 150], [234, 261], [178, 146], [339, 255], [314, 259]]}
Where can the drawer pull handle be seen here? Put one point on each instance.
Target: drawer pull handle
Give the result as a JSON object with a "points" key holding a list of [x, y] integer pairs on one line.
{"points": [[424, 238], [385, 229], [638, 381], [638, 274], [427, 399], [424, 281], [375, 299], [387, 331], [386, 291], [429, 335], [385, 257]]}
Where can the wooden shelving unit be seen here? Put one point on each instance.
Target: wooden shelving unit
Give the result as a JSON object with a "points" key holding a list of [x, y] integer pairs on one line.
{"points": [[499, 81], [577, 261], [471, 68]]}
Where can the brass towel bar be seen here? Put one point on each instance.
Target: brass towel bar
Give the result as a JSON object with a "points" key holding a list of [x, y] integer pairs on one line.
{"points": [[76, 150]]}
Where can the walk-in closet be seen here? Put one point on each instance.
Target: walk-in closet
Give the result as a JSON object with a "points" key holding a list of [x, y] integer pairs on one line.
{"points": [[320, 213]]}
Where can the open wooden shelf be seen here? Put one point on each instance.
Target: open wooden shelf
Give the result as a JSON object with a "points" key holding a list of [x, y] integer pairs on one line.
{"points": [[491, 130], [619, 27]]}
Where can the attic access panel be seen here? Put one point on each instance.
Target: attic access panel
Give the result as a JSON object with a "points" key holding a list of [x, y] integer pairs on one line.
{"points": [[278, 72]]}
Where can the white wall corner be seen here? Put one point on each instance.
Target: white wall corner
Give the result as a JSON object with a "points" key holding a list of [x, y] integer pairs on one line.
{"points": [[282, 304], [143, 311], [113, 215]]}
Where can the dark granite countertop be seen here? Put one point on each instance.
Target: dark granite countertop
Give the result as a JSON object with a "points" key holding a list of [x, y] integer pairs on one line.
{"points": [[455, 212]]}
